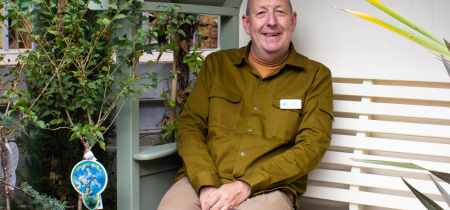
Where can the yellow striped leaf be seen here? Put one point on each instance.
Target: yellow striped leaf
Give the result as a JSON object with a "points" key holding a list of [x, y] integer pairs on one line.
{"points": [[405, 20], [415, 37]]}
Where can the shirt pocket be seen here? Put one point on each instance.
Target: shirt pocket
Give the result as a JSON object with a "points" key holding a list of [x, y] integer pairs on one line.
{"points": [[223, 106], [284, 123], [324, 117]]}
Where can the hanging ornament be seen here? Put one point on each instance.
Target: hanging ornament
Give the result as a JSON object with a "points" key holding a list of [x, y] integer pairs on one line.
{"points": [[90, 178], [12, 159]]}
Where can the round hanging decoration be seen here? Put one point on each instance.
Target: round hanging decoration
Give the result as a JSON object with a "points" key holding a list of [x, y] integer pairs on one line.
{"points": [[90, 178]]}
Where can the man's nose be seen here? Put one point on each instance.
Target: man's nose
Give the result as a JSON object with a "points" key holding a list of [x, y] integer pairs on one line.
{"points": [[271, 19]]}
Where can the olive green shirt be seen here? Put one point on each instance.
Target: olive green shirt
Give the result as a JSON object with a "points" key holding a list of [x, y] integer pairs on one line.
{"points": [[233, 128]]}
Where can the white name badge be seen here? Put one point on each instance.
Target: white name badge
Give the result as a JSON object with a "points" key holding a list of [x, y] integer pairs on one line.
{"points": [[290, 104]]}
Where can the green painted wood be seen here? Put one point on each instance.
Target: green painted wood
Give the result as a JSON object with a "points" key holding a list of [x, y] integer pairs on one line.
{"points": [[166, 163], [193, 9], [233, 3], [127, 125], [154, 187], [229, 32], [156, 152]]}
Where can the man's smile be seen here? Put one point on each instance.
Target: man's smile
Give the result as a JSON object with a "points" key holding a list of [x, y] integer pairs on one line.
{"points": [[271, 34]]}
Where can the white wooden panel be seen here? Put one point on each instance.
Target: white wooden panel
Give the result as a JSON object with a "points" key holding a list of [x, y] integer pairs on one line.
{"points": [[367, 198], [400, 110], [388, 91], [412, 129], [390, 145], [416, 75], [376, 181], [343, 158]]}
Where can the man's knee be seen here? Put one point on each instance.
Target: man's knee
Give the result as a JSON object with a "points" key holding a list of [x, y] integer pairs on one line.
{"points": [[180, 196]]}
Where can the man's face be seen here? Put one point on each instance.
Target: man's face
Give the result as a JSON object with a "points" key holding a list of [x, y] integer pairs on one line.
{"points": [[270, 24]]}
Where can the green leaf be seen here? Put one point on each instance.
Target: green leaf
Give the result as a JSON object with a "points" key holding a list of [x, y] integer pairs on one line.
{"points": [[446, 63], [171, 46], [444, 176], [46, 113], [390, 163], [54, 121], [417, 38], [40, 123], [131, 19], [444, 193], [100, 135], [427, 202], [405, 20], [172, 103], [119, 16], [53, 32], [113, 6], [90, 138], [188, 89], [181, 32], [73, 136], [150, 63], [102, 144], [447, 44]]}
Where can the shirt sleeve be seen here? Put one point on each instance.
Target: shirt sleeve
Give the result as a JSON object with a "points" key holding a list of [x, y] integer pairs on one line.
{"points": [[193, 127], [311, 143]]}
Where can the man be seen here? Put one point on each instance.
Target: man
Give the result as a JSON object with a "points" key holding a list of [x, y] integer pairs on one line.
{"points": [[257, 121]]}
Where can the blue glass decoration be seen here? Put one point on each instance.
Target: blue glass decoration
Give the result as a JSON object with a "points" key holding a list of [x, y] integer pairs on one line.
{"points": [[89, 178]]}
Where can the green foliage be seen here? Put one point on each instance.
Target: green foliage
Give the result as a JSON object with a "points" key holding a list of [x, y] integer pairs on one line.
{"points": [[49, 164], [427, 202]]}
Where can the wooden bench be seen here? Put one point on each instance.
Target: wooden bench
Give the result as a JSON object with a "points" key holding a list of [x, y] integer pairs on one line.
{"points": [[380, 114]]}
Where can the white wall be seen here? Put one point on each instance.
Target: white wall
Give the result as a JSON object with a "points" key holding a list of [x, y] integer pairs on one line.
{"points": [[337, 38]]}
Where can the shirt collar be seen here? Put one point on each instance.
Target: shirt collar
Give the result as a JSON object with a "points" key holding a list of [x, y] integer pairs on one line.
{"points": [[294, 58]]}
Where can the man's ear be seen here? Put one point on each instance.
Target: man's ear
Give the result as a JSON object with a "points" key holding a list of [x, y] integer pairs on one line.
{"points": [[246, 24], [294, 21]]}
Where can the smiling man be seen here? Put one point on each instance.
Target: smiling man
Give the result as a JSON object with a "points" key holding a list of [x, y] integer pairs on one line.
{"points": [[257, 121]]}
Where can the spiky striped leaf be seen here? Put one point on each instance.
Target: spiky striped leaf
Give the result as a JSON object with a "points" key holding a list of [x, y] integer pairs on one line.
{"points": [[444, 193], [405, 20], [415, 37], [426, 201]]}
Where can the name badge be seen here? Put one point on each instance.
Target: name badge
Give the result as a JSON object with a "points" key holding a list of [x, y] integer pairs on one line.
{"points": [[290, 104]]}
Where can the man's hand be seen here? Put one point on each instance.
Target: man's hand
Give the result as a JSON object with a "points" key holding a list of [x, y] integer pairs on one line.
{"points": [[205, 193], [228, 196]]}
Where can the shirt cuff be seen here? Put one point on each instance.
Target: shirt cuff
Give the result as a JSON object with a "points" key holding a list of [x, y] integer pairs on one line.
{"points": [[255, 180], [205, 179]]}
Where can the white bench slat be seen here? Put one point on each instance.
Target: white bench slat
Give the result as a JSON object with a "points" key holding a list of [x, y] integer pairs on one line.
{"points": [[388, 91], [343, 158], [416, 75], [376, 181], [390, 145], [403, 128], [400, 110], [367, 198]]}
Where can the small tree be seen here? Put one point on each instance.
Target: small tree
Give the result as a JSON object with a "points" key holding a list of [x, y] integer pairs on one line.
{"points": [[71, 82]]}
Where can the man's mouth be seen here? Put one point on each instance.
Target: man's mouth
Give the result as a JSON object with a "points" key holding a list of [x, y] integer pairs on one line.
{"points": [[268, 35]]}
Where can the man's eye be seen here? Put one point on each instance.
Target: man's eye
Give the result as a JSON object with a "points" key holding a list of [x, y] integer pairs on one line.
{"points": [[260, 13]]}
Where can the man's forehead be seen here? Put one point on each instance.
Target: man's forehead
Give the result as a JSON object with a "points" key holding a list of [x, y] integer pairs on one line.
{"points": [[265, 4]]}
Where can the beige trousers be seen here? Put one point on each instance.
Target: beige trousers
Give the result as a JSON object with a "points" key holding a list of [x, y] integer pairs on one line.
{"points": [[181, 196]]}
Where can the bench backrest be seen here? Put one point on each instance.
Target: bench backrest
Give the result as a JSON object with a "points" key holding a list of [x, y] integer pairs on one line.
{"points": [[383, 114]]}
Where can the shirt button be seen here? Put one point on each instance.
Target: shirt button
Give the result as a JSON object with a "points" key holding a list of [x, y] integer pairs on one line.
{"points": [[250, 129], [261, 81], [242, 154], [256, 107]]}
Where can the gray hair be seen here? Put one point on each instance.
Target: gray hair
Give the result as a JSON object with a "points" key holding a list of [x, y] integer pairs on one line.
{"points": [[247, 11]]}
